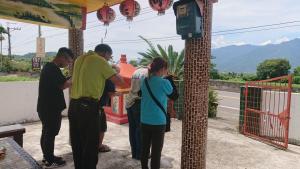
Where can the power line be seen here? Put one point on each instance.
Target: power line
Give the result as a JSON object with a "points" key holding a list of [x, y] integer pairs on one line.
{"points": [[142, 10], [62, 33], [178, 38], [215, 33], [118, 20], [260, 26], [257, 30]]}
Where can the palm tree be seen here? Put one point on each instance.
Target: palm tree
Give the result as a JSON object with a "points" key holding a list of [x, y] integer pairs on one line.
{"points": [[2, 31], [175, 59]]}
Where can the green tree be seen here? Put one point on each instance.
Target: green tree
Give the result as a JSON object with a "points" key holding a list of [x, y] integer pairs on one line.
{"points": [[175, 59], [297, 71], [271, 68], [134, 63], [5, 65], [213, 72]]}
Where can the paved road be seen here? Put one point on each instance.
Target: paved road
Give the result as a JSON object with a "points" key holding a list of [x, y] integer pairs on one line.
{"points": [[229, 106]]}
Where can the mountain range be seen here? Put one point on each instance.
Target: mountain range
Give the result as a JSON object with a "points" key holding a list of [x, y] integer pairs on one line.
{"points": [[245, 58], [31, 55]]}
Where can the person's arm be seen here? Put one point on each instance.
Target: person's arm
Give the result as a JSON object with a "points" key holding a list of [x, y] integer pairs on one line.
{"points": [[174, 95], [168, 89], [67, 84], [117, 80], [57, 79]]}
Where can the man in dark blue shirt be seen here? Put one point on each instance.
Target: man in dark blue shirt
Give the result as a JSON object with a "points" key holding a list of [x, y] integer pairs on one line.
{"points": [[109, 90], [51, 103]]}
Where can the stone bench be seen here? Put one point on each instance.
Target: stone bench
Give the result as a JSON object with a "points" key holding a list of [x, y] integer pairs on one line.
{"points": [[16, 131]]}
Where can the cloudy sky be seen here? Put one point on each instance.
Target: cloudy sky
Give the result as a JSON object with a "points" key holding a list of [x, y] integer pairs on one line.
{"points": [[123, 36]]}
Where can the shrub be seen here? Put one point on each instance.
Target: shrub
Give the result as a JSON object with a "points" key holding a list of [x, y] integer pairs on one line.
{"points": [[5, 64], [248, 77], [179, 103], [296, 80], [20, 66], [297, 71], [212, 103]]}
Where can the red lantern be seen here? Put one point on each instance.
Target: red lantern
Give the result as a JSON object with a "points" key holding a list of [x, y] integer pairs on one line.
{"points": [[130, 9], [160, 5], [106, 15]]}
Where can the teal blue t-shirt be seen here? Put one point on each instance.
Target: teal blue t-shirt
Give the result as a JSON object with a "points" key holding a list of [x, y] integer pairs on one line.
{"points": [[150, 113]]}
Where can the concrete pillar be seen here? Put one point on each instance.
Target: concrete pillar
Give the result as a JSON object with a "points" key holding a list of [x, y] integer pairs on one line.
{"points": [[196, 82]]}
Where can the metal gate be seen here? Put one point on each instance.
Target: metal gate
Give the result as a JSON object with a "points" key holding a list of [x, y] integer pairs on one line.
{"points": [[267, 110]]}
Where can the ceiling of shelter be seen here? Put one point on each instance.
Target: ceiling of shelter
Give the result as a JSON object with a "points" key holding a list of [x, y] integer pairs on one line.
{"points": [[93, 5]]}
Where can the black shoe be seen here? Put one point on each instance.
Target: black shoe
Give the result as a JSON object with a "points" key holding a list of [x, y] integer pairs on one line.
{"points": [[54, 164], [56, 158]]}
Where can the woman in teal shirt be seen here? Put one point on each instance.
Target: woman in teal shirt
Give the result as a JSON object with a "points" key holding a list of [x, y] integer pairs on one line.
{"points": [[153, 119]]}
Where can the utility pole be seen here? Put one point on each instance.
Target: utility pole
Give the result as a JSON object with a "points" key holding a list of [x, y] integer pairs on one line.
{"points": [[40, 31], [1, 39], [9, 30], [9, 43]]}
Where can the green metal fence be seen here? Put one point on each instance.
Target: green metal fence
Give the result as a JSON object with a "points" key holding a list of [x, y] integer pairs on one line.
{"points": [[179, 103]]}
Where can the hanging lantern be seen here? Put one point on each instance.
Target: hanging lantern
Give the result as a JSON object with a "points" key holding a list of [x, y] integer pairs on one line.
{"points": [[106, 15], [160, 5], [130, 9]]}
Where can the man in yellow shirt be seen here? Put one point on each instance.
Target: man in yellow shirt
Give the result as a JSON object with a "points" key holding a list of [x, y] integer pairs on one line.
{"points": [[88, 82]]}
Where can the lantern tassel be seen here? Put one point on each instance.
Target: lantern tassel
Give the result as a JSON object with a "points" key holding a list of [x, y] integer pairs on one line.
{"points": [[105, 33]]}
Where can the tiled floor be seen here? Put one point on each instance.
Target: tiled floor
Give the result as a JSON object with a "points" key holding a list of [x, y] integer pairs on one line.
{"points": [[226, 148]]}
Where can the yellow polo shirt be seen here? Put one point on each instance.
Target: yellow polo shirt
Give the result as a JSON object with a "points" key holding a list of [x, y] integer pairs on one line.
{"points": [[89, 75]]}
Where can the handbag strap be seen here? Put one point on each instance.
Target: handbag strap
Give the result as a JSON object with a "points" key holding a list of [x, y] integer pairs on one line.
{"points": [[153, 97]]}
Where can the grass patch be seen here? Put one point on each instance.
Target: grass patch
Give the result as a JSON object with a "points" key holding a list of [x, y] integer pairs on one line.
{"points": [[16, 78]]}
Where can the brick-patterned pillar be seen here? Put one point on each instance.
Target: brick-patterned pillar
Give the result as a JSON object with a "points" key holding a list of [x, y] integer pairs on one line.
{"points": [[196, 77], [75, 44], [76, 41]]}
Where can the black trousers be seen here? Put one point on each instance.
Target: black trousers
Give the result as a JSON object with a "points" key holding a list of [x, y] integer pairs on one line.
{"points": [[152, 136], [51, 122], [84, 132], [133, 114]]}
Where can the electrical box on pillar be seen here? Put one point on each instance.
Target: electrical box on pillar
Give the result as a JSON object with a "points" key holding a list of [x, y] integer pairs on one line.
{"points": [[189, 20]]}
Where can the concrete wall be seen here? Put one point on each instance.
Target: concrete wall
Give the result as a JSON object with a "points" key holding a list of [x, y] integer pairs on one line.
{"points": [[276, 102], [18, 102], [232, 86], [225, 86]]}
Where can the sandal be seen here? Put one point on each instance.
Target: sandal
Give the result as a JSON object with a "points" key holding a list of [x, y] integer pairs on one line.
{"points": [[104, 148]]}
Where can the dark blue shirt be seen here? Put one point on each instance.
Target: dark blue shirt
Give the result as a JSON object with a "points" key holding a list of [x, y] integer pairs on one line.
{"points": [[105, 99], [51, 97]]}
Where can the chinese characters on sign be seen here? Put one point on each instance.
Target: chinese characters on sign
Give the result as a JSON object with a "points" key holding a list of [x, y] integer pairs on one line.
{"points": [[36, 63]]}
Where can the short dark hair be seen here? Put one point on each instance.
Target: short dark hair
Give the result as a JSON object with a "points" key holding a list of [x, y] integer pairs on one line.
{"points": [[65, 52], [103, 48]]}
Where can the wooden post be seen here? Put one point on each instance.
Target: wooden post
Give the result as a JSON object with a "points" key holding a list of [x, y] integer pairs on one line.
{"points": [[196, 77]]}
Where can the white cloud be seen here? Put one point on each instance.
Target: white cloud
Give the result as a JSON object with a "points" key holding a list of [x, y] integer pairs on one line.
{"points": [[277, 41], [281, 40], [266, 43], [220, 41]]}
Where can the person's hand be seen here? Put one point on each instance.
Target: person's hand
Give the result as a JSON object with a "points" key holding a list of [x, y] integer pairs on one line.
{"points": [[116, 68]]}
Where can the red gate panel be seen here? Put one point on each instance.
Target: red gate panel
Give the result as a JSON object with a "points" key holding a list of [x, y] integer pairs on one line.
{"points": [[267, 110]]}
